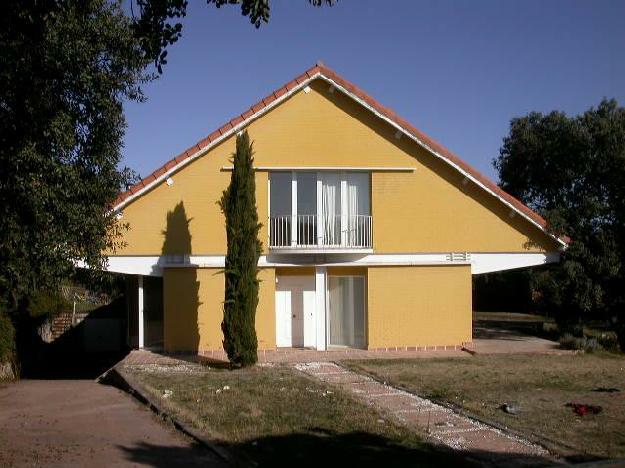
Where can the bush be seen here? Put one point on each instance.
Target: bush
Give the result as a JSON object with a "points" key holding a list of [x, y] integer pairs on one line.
{"points": [[7, 346], [44, 303], [583, 343], [608, 341]]}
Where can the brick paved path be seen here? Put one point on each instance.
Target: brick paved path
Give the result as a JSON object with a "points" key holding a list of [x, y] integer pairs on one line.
{"points": [[484, 443]]}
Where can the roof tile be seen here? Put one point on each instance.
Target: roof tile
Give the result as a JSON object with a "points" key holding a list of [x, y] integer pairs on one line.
{"points": [[269, 99], [159, 172], [236, 121], [290, 85], [300, 79]]}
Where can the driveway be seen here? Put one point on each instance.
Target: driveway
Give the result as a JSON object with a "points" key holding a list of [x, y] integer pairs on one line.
{"points": [[83, 423]]}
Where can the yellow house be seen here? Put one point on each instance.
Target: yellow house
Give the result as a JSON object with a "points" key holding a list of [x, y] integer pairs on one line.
{"points": [[371, 230]]}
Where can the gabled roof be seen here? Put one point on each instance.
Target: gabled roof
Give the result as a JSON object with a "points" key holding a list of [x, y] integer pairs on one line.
{"points": [[320, 71]]}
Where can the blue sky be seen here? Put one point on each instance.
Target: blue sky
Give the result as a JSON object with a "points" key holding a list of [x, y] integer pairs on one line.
{"points": [[458, 70]]}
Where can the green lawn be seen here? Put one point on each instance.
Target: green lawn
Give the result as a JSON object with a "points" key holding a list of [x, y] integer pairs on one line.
{"points": [[540, 384], [278, 416]]}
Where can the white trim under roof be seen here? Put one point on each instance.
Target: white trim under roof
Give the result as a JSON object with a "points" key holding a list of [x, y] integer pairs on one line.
{"points": [[328, 168], [237, 128], [480, 262]]}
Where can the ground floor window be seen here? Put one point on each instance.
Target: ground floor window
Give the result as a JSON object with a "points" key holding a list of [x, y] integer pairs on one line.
{"points": [[346, 314]]}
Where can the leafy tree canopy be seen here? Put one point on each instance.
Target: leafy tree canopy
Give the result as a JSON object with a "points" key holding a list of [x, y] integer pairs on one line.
{"points": [[65, 69], [572, 171]]}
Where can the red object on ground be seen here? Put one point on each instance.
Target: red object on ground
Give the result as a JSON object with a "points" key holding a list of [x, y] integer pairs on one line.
{"points": [[583, 409]]}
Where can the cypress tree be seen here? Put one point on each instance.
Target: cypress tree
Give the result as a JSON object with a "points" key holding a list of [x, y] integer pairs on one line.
{"points": [[238, 203]]}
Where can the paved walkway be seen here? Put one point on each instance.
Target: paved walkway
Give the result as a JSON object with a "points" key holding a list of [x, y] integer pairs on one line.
{"points": [[82, 423], [440, 424]]}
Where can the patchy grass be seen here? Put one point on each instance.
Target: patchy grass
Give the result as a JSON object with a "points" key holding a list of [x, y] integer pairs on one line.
{"points": [[278, 416], [541, 384]]}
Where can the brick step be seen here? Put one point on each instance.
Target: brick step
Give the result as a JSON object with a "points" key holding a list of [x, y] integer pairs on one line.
{"points": [[63, 322]]}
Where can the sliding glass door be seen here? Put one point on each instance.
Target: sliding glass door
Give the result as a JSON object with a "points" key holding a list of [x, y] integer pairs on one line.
{"points": [[320, 209], [346, 314], [280, 200], [357, 210]]}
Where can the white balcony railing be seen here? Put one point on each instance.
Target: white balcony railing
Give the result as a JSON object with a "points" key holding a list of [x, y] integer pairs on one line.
{"points": [[320, 232]]}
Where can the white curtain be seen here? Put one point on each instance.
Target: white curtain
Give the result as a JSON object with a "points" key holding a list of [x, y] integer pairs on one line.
{"points": [[347, 311], [331, 209], [357, 207]]}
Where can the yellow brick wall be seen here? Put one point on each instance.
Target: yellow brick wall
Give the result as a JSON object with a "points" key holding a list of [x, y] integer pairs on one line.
{"points": [[419, 306], [428, 210], [193, 309]]}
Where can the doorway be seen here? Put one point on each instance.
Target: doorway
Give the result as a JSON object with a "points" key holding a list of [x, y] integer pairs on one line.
{"points": [[295, 311], [346, 314]]}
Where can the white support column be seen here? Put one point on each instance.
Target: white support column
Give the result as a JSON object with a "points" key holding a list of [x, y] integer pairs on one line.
{"points": [[320, 305], [320, 220], [294, 209], [140, 308], [270, 225], [344, 209]]}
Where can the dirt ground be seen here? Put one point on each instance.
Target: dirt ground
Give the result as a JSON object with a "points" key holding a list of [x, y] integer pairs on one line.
{"points": [[541, 387], [83, 423]]}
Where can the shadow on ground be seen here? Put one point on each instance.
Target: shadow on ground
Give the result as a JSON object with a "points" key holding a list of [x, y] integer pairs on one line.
{"points": [[493, 331], [320, 447]]}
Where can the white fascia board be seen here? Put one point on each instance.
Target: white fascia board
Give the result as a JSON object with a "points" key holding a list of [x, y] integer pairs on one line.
{"points": [[139, 265], [491, 262], [480, 262]]}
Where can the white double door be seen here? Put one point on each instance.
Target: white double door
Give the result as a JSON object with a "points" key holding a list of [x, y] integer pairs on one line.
{"points": [[295, 311]]}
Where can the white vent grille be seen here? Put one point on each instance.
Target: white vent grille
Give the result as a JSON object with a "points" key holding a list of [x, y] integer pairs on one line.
{"points": [[459, 257]]}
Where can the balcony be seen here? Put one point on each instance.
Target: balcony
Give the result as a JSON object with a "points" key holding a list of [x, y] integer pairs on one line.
{"points": [[320, 233]]}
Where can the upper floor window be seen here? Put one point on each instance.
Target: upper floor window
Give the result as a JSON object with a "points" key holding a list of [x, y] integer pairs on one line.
{"points": [[320, 209]]}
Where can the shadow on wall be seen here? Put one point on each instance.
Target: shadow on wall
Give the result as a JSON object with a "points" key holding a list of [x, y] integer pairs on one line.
{"points": [[180, 286], [177, 236]]}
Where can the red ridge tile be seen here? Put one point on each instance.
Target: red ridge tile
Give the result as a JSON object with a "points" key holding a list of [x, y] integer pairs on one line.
{"points": [[236, 121], [269, 99], [290, 85], [300, 79]]}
